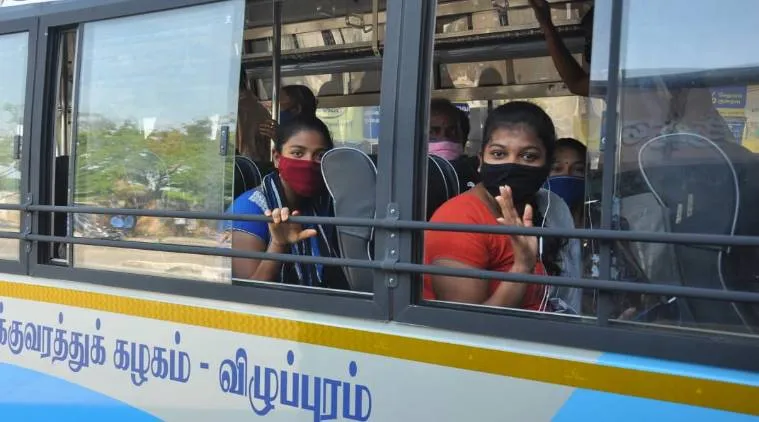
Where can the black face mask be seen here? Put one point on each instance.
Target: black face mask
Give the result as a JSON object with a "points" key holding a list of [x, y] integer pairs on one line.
{"points": [[524, 181]]}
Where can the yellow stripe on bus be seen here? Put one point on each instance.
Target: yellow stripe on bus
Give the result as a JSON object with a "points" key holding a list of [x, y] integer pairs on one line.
{"points": [[673, 388]]}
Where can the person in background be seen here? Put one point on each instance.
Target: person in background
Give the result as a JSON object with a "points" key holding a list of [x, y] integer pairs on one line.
{"points": [[296, 187], [251, 141], [448, 134], [446, 137], [571, 72], [294, 100], [516, 155], [567, 177], [651, 109]]}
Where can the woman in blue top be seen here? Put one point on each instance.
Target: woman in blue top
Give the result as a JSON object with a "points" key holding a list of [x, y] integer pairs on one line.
{"points": [[295, 188]]}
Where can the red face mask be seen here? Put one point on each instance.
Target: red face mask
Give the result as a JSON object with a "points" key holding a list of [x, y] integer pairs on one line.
{"points": [[304, 177]]}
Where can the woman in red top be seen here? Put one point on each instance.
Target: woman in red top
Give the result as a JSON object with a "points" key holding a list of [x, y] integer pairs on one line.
{"points": [[515, 159]]}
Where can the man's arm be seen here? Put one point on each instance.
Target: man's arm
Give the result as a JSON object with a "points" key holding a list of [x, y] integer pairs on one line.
{"points": [[576, 78]]}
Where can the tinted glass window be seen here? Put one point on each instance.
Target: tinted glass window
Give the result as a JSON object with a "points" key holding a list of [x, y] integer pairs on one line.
{"points": [[14, 50], [157, 101]]}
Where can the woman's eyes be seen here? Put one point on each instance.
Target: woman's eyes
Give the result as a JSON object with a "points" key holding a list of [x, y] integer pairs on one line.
{"points": [[300, 154], [526, 156]]}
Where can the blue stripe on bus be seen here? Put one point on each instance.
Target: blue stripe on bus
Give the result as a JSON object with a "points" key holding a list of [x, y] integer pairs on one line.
{"points": [[28, 396], [590, 405]]}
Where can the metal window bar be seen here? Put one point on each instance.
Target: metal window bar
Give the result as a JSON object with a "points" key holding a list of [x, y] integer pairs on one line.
{"points": [[384, 265], [600, 234], [604, 307]]}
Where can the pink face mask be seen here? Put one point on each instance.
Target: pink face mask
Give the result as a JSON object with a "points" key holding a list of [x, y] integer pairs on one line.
{"points": [[444, 148]]}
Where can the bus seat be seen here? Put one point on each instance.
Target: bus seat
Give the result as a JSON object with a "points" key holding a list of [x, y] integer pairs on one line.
{"points": [[351, 178], [442, 183], [466, 168], [712, 188], [247, 175]]}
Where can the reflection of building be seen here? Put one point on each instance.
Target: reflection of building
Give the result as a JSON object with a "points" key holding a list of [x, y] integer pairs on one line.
{"points": [[352, 125], [739, 106]]}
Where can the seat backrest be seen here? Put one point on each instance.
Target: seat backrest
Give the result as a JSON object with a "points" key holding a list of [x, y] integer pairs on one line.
{"points": [[351, 178], [466, 168], [247, 175], [442, 183], [710, 188]]}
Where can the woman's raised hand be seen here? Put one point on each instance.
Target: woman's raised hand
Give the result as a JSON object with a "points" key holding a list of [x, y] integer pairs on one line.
{"points": [[284, 233], [525, 247]]}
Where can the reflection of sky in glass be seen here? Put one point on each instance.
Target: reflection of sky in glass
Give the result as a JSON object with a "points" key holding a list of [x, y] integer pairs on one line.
{"points": [[175, 66], [8, 3], [13, 56], [672, 36], [676, 35]]}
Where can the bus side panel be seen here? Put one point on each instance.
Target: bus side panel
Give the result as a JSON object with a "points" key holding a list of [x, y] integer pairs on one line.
{"points": [[83, 362]]}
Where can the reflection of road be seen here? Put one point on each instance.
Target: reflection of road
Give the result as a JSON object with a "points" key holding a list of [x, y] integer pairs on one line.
{"points": [[199, 267], [9, 249]]}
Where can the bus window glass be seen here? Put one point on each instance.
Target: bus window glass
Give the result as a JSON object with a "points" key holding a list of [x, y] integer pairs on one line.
{"points": [[495, 117], [318, 111], [353, 127], [13, 70], [155, 130], [686, 159]]}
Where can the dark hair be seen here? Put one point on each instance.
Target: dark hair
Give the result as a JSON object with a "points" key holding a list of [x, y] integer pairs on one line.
{"points": [[522, 115], [464, 122], [446, 108], [529, 116], [303, 97], [574, 145], [299, 124], [587, 20]]}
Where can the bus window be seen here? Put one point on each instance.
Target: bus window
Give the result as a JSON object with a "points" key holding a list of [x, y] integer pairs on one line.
{"points": [[154, 128], [514, 143], [345, 101], [686, 157], [14, 50]]}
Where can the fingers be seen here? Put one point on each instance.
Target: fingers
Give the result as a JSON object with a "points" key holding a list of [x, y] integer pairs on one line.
{"points": [[279, 215], [285, 214], [528, 215], [306, 234], [509, 213]]}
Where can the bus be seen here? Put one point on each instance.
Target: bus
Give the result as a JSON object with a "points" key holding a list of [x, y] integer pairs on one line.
{"points": [[129, 127]]}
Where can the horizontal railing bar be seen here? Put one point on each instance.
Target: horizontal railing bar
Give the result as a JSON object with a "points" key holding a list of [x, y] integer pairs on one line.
{"points": [[621, 286], [598, 234], [206, 250], [12, 207]]}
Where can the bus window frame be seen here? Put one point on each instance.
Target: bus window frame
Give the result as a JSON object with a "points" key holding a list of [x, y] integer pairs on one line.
{"points": [[404, 101], [646, 341], [9, 27], [66, 16]]}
